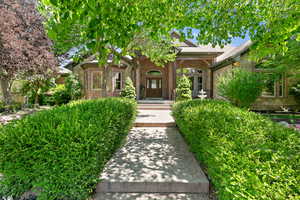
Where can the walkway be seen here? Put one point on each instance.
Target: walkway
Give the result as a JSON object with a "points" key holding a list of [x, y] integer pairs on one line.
{"points": [[153, 164]]}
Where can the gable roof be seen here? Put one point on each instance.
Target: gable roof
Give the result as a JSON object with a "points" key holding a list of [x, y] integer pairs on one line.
{"points": [[235, 52], [178, 43]]}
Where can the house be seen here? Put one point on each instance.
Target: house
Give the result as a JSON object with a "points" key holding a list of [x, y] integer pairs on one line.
{"points": [[276, 94], [202, 64]]}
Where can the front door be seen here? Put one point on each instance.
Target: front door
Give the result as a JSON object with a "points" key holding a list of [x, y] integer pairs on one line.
{"points": [[154, 88]]}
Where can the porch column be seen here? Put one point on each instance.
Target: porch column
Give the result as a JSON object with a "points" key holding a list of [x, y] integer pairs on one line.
{"points": [[174, 69], [137, 84]]}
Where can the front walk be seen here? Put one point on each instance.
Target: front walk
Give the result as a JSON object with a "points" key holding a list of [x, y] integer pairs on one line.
{"points": [[153, 164]]}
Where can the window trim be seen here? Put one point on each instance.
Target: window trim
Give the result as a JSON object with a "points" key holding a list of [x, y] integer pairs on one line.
{"points": [[276, 86], [114, 81]]}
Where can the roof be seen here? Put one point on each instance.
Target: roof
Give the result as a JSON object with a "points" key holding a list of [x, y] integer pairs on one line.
{"points": [[62, 71], [233, 53], [205, 49]]}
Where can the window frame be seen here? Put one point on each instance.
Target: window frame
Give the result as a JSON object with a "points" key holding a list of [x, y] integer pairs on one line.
{"points": [[276, 86], [114, 81], [92, 80]]}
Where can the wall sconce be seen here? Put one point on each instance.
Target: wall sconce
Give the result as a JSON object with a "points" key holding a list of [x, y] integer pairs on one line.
{"points": [[236, 64]]}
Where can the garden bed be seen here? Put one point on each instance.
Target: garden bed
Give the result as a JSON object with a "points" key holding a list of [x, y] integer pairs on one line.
{"points": [[247, 155], [5, 118], [59, 153]]}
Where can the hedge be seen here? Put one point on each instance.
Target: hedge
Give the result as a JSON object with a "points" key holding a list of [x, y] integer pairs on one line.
{"points": [[60, 153], [247, 156]]}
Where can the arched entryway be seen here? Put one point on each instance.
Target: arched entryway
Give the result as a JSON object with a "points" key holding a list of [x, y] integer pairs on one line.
{"points": [[154, 84]]}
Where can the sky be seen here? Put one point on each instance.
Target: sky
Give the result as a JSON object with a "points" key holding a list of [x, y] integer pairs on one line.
{"points": [[239, 41], [235, 42]]}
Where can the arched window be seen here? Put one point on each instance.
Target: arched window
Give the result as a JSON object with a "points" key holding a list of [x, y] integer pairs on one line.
{"points": [[154, 73]]}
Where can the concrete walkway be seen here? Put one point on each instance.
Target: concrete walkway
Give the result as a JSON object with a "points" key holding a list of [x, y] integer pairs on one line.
{"points": [[153, 164]]}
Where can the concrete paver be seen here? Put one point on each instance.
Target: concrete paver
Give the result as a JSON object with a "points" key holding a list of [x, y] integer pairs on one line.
{"points": [[153, 160]]}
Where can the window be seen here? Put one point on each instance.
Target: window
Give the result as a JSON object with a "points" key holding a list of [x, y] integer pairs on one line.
{"points": [[281, 87], [195, 76], [269, 89], [96, 80], [154, 73], [117, 80], [200, 83], [274, 86], [154, 83]]}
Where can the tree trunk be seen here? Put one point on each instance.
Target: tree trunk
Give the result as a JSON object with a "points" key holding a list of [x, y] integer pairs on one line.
{"points": [[5, 88], [105, 80]]}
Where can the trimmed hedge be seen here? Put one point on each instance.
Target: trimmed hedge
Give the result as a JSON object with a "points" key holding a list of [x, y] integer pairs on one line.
{"points": [[60, 153], [247, 155]]}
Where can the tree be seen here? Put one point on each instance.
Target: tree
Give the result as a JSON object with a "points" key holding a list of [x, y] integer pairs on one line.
{"points": [[102, 24], [24, 47], [183, 89], [289, 62], [241, 87], [35, 87], [129, 90]]}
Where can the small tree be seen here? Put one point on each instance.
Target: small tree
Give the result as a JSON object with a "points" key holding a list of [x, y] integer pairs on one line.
{"points": [[241, 87], [129, 90], [73, 87], [183, 90], [35, 87]]}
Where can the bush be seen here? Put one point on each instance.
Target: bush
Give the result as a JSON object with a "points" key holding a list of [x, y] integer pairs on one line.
{"points": [[73, 87], [129, 90], [295, 90], [35, 88], [58, 96], [247, 155], [183, 90], [60, 153], [241, 87]]}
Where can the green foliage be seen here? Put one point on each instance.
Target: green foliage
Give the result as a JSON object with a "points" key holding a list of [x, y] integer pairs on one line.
{"points": [[129, 90], [2, 106], [60, 153], [269, 23], [241, 87], [13, 107], [288, 62], [295, 90], [73, 87], [34, 87], [183, 89], [58, 95], [247, 155]]}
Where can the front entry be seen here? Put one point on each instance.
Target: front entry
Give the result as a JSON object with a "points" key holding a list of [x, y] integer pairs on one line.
{"points": [[154, 87]]}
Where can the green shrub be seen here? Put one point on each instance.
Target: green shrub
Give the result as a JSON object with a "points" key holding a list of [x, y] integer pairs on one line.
{"points": [[2, 106], [58, 95], [241, 87], [60, 152], [183, 89], [73, 87], [35, 87], [295, 90], [129, 90], [247, 155]]}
